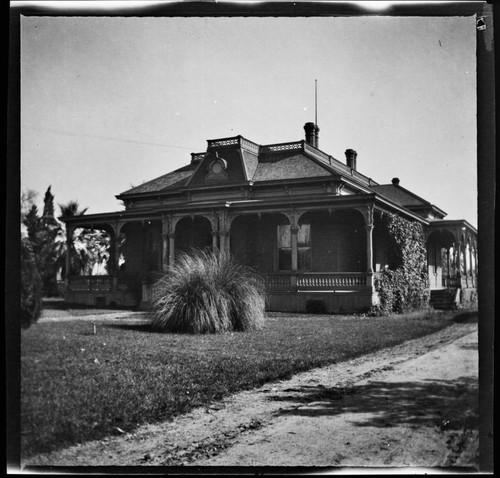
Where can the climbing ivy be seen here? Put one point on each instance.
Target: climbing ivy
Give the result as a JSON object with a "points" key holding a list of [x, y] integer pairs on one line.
{"points": [[404, 285]]}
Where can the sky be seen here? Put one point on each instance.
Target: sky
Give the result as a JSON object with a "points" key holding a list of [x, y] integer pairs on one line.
{"points": [[110, 102]]}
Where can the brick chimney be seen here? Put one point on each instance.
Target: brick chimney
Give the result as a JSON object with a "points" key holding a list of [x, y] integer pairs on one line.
{"points": [[395, 181], [312, 134], [350, 156]]}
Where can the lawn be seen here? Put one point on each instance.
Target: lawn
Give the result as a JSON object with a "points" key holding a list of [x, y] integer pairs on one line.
{"points": [[76, 386]]}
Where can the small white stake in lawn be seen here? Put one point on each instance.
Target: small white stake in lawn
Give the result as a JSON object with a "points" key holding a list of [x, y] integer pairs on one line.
{"points": [[94, 331]]}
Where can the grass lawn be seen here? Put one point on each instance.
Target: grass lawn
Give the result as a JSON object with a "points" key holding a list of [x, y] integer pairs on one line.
{"points": [[76, 386]]}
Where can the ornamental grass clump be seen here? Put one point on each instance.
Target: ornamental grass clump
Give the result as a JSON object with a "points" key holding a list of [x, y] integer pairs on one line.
{"points": [[203, 293]]}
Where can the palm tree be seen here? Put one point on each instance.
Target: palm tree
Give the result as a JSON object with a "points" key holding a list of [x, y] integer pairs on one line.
{"points": [[89, 247], [71, 208]]}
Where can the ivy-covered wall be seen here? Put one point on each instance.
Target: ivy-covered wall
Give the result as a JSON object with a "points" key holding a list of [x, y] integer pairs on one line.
{"points": [[404, 285]]}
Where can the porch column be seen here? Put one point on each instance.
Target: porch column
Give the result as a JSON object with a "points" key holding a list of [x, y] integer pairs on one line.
{"points": [[164, 244], [171, 248], [222, 250], [470, 271], [225, 245], [369, 253], [164, 252], [461, 254], [69, 242], [214, 240], [228, 243], [447, 267], [474, 267], [369, 248], [294, 230], [457, 258], [115, 258]]}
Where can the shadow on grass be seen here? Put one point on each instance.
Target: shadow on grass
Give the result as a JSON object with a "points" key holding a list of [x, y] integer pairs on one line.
{"points": [[447, 404], [142, 327], [466, 317]]}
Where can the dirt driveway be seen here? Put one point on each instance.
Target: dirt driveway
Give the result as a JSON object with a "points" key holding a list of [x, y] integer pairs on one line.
{"points": [[413, 405]]}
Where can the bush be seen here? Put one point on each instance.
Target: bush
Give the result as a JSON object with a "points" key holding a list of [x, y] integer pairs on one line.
{"points": [[203, 293], [31, 286]]}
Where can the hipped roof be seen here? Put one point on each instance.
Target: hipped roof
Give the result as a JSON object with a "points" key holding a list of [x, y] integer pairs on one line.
{"points": [[254, 164]]}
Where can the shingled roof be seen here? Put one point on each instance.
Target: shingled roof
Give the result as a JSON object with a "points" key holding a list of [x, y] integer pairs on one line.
{"points": [[288, 166], [248, 162], [407, 199], [175, 179], [399, 195]]}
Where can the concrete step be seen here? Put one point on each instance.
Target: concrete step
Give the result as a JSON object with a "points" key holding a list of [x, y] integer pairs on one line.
{"points": [[443, 299]]}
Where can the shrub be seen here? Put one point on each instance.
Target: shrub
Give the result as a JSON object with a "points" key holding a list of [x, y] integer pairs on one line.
{"points": [[203, 293], [31, 286]]}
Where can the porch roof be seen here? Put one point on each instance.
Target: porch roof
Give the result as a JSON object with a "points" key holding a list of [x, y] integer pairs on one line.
{"points": [[175, 179], [453, 223], [406, 198], [242, 206]]}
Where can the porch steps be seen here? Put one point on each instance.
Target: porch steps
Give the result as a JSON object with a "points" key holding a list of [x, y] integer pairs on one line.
{"points": [[444, 298]]}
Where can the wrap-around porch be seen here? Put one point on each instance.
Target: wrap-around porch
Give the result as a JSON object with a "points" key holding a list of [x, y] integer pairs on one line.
{"points": [[303, 254], [300, 254]]}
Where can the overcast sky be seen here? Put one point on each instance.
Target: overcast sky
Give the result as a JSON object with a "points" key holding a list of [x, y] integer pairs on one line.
{"points": [[108, 103]]}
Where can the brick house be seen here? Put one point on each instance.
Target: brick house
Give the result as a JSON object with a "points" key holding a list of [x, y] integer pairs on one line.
{"points": [[307, 222]]}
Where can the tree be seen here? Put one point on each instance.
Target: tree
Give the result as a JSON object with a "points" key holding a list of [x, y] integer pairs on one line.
{"points": [[31, 285], [72, 208], [42, 232], [89, 247], [47, 240], [48, 206], [28, 200]]}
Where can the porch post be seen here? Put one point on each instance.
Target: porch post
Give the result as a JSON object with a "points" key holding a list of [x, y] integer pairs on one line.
{"points": [[460, 252], [69, 241], [369, 248], [228, 243], [164, 244], [369, 253], [225, 244], [294, 230], [474, 270], [222, 250], [447, 267], [115, 258], [171, 248], [214, 240], [470, 271], [457, 252]]}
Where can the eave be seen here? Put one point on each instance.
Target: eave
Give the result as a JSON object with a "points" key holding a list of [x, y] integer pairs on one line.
{"points": [[313, 201]]}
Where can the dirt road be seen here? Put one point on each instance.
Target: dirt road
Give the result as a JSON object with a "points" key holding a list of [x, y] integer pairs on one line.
{"points": [[413, 405]]}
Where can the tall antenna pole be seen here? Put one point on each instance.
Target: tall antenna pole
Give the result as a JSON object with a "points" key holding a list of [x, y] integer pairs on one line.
{"points": [[316, 102]]}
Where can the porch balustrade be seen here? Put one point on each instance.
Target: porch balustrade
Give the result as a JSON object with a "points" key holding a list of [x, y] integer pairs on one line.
{"points": [[90, 283], [318, 281], [463, 281]]}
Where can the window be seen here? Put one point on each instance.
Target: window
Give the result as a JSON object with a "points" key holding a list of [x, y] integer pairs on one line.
{"points": [[285, 247]]}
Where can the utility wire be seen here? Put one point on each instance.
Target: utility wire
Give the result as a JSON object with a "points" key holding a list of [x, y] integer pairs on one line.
{"points": [[107, 138]]}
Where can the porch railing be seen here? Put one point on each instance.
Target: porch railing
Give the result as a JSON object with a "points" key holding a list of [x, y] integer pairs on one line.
{"points": [[90, 283], [460, 281], [317, 281]]}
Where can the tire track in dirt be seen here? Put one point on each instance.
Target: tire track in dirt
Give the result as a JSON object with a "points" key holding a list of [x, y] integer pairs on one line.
{"points": [[207, 432]]}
